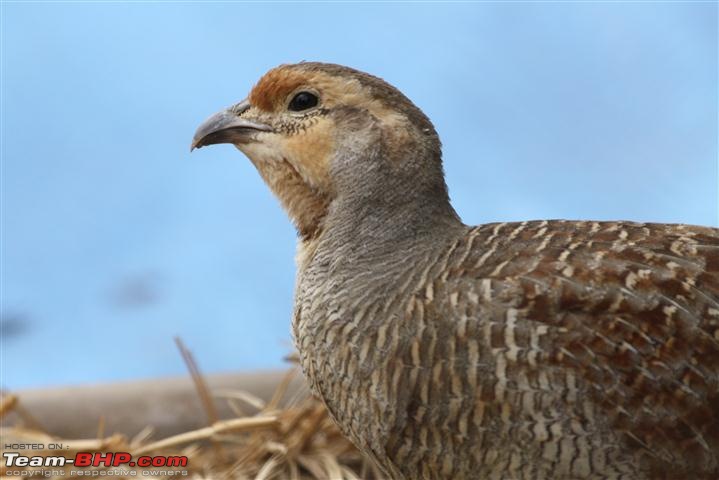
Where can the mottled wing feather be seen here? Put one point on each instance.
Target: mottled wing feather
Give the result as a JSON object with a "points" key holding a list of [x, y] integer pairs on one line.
{"points": [[629, 311]]}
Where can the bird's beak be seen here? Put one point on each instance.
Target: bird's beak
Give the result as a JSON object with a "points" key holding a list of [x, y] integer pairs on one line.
{"points": [[227, 126]]}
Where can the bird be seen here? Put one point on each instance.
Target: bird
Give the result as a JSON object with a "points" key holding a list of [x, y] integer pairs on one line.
{"points": [[542, 349]]}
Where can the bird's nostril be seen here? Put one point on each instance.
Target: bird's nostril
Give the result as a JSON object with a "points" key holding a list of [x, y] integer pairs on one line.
{"points": [[240, 108]]}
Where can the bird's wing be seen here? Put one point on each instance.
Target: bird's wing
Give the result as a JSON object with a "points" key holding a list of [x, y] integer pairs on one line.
{"points": [[623, 314]]}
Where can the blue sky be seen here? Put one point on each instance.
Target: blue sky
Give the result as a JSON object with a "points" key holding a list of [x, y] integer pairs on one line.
{"points": [[115, 238]]}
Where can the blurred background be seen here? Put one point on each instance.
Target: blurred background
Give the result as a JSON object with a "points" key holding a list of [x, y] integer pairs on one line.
{"points": [[115, 238]]}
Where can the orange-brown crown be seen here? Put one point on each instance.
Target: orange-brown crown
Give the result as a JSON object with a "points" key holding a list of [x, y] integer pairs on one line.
{"points": [[276, 85]]}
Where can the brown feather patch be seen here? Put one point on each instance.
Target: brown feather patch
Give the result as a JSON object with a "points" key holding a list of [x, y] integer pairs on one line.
{"points": [[275, 85]]}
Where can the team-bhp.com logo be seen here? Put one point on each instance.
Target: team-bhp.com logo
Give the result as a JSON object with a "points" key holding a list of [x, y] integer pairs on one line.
{"points": [[15, 460]]}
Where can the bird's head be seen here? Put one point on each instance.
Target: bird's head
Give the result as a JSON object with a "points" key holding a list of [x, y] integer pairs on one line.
{"points": [[317, 132]]}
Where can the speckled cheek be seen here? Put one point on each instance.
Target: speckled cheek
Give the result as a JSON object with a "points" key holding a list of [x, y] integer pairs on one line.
{"points": [[309, 151]]}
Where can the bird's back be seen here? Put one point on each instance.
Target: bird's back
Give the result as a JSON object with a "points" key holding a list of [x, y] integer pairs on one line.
{"points": [[551, 349]]}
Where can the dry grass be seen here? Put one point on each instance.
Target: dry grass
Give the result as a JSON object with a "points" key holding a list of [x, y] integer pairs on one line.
{"points": [[267, 440]]}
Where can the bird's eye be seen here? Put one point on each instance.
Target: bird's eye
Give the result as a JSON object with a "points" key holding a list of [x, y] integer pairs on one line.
{"points": [[303, 101]]}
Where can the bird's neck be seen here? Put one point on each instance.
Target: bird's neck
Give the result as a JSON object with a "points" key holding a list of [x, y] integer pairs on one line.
{"points": [[390, 220], [402, 216]]}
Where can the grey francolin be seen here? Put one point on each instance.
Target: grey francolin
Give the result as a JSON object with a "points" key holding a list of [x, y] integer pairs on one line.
{"points": [[542, 349]]}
